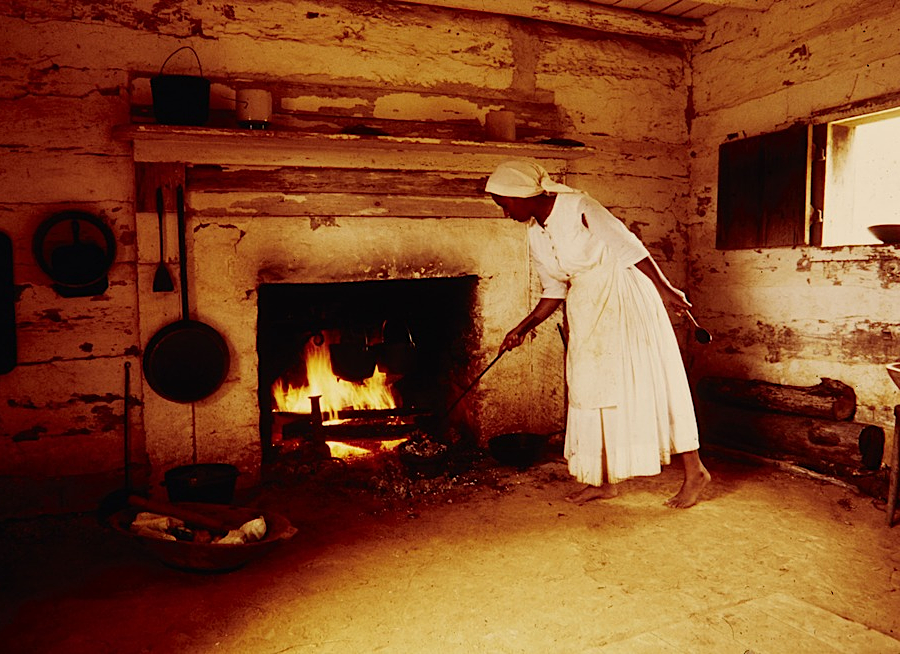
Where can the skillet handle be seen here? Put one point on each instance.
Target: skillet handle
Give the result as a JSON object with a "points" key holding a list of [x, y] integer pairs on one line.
{"points": [[182, 252]]}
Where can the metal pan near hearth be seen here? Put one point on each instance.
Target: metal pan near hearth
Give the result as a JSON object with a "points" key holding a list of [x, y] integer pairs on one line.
{"points": [[186, 360]]}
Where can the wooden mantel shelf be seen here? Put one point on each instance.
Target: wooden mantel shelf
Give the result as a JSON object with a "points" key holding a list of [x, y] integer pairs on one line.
{"points": [[206, 145]]}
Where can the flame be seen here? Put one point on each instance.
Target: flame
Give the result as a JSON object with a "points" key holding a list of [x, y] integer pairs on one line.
{"points": [[346, 451], [341, 450], [336, 394]]}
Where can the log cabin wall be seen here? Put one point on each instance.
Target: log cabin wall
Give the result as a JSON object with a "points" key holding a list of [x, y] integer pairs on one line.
{"points": [[72, 74], [792, 315]]}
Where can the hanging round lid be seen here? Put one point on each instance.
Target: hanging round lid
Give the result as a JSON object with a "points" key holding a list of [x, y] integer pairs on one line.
{"points": [[76, 249]]}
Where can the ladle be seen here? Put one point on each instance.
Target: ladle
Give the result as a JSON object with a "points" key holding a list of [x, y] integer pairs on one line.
{"points": [[700, 334]]}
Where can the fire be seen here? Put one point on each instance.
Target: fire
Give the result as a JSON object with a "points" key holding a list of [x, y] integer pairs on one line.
{"points": [[335, 394], [341, 450]]}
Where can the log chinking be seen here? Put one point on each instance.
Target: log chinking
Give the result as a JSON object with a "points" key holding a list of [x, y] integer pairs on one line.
{"points": [[809, 426]]}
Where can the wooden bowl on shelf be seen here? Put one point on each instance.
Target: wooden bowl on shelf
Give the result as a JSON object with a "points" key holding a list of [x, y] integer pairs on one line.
{"points": [[889, 234]]}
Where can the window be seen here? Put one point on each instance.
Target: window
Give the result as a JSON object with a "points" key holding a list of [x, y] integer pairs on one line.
{"points": [[862, 177], [821, 184]]}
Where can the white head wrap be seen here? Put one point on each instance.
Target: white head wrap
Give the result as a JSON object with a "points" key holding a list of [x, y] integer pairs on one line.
{"points": [[523, 179]]}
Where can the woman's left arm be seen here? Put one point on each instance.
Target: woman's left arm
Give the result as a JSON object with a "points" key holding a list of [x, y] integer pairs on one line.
{"points": [[669, 293]]}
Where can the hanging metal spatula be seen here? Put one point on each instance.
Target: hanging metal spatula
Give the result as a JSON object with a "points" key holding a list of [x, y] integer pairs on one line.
{"points": [[162, 280]]}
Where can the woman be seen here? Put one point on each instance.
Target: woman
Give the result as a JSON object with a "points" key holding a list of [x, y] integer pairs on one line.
{"points": [[630, 405]]}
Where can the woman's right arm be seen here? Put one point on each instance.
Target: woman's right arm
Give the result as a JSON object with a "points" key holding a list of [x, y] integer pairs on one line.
{"points": [[543, 310], [670, 295]]}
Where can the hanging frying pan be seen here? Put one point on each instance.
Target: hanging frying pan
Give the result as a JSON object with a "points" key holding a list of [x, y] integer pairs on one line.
{"points": [[186, 360]]}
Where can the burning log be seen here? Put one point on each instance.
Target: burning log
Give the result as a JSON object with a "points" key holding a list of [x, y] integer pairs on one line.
{"points": [[830, 399], [350, 430], [836, 447]]}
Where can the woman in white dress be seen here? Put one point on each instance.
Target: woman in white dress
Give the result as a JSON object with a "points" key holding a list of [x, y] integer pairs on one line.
{"points": [[630, 406]]}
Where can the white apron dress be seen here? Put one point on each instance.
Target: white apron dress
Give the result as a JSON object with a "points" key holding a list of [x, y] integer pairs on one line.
{"points": [[630, 404]]}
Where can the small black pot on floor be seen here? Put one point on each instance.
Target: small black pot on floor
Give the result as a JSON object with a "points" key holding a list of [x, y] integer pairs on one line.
{"points": [[519, 449]]}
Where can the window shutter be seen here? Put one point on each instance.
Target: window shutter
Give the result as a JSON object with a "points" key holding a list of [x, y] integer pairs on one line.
{"points": [[763, 190], [817, 183]]}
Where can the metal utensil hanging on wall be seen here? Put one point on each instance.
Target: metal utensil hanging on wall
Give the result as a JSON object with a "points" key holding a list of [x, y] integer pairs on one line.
{"points": [[76, 250], [187, 360], [162, 280]]}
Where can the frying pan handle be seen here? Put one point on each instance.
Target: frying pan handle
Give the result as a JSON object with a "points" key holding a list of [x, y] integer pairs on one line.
{"points": [[160, 215], [182, 252]]}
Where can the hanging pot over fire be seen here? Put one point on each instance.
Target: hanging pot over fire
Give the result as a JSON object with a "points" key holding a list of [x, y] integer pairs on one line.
{"points": [[353, 359], [396, 354]]}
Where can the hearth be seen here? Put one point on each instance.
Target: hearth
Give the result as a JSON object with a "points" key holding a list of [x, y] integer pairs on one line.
{"points": [[298, 210], [346, 363]]}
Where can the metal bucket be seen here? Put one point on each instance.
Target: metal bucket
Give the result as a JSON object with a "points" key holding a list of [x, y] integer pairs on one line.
{"points": [[180, 99]]}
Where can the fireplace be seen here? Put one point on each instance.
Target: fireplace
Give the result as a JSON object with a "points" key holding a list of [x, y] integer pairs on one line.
{"points": [[350, 361], [290, 235]]}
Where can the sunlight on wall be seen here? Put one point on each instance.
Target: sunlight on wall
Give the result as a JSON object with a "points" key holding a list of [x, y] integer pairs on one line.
{"points": [[862, 179]]}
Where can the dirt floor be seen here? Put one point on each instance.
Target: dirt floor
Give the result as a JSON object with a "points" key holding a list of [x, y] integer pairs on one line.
{"points": [[490, 560]]}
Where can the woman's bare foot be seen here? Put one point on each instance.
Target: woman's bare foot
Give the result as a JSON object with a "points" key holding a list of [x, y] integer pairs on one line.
{"points": [[690, 490], [589, 493]]}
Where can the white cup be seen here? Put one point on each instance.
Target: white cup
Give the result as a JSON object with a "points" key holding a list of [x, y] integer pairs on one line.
{"points": [[254, 108]]}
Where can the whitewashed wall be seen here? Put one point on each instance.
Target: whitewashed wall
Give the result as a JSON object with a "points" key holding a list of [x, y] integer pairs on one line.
{"points": [[793, 315], [67, 67]]}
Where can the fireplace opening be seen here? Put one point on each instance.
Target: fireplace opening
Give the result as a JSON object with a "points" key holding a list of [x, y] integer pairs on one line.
{"points": [[353, 367]]}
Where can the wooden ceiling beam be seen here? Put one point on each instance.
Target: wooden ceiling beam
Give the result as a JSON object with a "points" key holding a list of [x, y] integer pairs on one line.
{"points": [[754, 5], [578, 13]]}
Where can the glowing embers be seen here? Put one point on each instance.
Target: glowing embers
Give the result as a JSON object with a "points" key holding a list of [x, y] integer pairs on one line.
{"points": [[360, 449], [335, 394]]}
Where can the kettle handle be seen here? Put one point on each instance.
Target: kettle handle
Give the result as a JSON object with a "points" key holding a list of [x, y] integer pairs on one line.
{"points": [[408, 331], [184, 47]]}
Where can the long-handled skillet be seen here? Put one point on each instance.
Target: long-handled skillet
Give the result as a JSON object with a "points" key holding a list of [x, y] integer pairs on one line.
{"points": [[186, 360]]}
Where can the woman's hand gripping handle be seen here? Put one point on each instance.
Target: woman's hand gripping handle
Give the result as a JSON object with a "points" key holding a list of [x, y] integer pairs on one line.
{"points": [[543, 310]]}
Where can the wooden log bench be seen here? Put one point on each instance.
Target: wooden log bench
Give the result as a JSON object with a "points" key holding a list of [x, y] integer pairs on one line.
{"points": [[829, 399], [810, 426]]}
